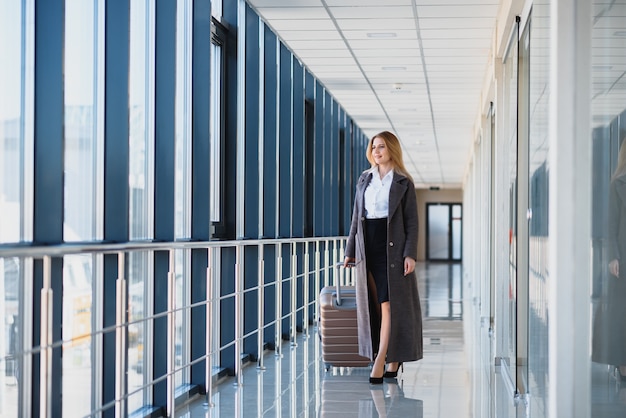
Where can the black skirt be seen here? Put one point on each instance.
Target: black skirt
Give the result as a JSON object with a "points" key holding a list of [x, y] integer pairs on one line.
{"points": [[376, 255]]}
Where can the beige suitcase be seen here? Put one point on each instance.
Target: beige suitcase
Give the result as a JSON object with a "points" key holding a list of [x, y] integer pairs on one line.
{"points": [[338, 326]]}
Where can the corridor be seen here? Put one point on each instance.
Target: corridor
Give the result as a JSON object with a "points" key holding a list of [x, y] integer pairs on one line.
{"points": [[296, 383]]}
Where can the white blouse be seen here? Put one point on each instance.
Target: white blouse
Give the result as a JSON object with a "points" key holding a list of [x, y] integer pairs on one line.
{"points": [[377, 195]]}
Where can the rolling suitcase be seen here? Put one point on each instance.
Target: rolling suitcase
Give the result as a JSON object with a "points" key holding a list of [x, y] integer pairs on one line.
{"points": [[338, 325]]}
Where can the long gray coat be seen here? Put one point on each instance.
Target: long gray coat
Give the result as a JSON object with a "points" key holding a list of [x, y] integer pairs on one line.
{"points": [[405, 342]]}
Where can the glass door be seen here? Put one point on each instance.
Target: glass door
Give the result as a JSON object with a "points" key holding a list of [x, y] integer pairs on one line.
{"points": [[443, 231]]}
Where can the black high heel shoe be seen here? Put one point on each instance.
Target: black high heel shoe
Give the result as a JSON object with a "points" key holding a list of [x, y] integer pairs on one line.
{"points": [[394, 374], [376, 380]]}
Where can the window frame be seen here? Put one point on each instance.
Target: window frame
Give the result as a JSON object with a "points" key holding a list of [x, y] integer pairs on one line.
{"points": [[218, 223]]}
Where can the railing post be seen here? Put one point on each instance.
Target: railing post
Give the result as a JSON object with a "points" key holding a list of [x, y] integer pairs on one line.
{"points": [[171, 333], [332, 264], [345, 275], [326, 264], [294, 298], [305, 285], [120, 337], [238, 315], [317, 279], [209, 340], [278, 337], [260, 310], [45, 365]]}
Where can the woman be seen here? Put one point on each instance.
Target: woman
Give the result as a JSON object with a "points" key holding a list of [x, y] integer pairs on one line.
{"points": [[615, 345], [383, 243]]}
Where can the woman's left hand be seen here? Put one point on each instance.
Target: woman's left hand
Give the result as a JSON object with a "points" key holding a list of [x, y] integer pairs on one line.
{"points": [[409, 265]]}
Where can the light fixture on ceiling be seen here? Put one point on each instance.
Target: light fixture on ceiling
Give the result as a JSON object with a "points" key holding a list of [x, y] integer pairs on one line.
{"points": [[621, 33], [394, 68], [381, 35]]}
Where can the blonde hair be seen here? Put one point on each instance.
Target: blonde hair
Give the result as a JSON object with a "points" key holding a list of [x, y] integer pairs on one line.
{"points": [[395, 152], [621, 162]]}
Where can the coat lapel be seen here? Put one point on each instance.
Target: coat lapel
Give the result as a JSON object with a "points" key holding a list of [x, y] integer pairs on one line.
{"points": [[396, 192], [364, 181]]}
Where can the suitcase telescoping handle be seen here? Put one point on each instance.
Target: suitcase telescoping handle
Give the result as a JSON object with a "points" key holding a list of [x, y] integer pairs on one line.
{"points": [[337, 284]]}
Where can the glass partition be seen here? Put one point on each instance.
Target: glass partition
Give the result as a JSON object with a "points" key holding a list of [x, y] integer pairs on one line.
{"points": [[607, 284], [538, 179], [509, 136]]}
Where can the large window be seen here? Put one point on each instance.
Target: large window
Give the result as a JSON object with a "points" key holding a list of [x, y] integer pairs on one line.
{"points": [[141, 123], [83, 150], [182, 181], [11, 119], [182, 185], [141, 198], [83, 128], [16, 143], [77, 327]]}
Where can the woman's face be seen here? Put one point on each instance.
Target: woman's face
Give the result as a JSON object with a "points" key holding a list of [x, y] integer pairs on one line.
{"points": [[380, 153]]}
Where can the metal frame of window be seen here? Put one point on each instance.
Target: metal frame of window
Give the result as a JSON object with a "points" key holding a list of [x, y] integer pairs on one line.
{"points": [[219, 38]]}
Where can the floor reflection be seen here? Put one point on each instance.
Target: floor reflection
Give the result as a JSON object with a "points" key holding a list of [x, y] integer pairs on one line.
{"points": [[441, 290], [352, 396], [608, 392]]}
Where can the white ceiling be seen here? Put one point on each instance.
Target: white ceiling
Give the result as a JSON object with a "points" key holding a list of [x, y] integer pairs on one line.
{"points": [[414, 67]]}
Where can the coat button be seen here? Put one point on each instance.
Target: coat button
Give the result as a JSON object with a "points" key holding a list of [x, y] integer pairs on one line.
{"points": [[391, 244], [362, 218], [393, 265]]}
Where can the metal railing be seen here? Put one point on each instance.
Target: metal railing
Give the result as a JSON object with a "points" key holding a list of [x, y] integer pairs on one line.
{"points": [[318, 248]]}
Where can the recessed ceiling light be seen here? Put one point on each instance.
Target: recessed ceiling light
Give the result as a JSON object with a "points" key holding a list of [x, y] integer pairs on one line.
{"points": [[408, 109], [620, 33], [394, 68], [381, 35]]}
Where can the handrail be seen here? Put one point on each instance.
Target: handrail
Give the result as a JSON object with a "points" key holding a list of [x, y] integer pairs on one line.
{"points": [[21, 249]]}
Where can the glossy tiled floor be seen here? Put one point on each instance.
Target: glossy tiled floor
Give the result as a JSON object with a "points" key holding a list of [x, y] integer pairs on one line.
{"points": [[296, 384]]}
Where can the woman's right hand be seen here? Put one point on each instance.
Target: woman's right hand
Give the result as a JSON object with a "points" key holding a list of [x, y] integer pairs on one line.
{"points": [[348, 260], [614, 267]]}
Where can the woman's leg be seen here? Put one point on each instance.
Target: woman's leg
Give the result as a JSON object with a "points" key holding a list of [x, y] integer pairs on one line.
{"points": [[385, 331]]}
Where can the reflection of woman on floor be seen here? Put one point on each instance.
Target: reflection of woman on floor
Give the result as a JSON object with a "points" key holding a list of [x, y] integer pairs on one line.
{"points": [[391, 402], [615, 343], [378, 396]]}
